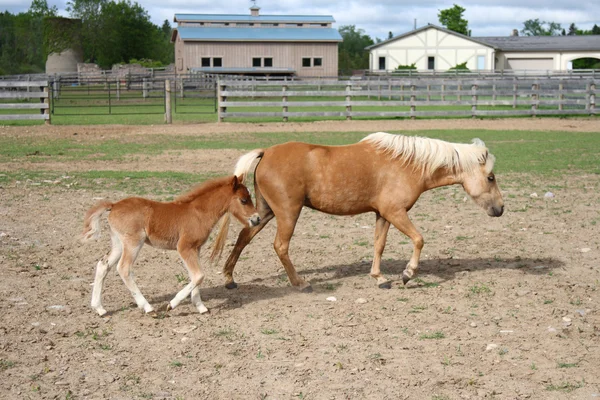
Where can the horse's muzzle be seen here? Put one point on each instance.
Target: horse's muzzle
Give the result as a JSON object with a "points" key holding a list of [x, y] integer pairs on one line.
{"points": [[254, 220], [495, 211]]}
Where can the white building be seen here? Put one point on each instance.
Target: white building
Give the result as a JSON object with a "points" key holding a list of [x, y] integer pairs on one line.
{"points": [[435, 48]]}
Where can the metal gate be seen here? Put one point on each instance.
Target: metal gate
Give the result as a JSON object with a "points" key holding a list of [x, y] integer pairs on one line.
{"points": [[196, 94], [107, 96]]}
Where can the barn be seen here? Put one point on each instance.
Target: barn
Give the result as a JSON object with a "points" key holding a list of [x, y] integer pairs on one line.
{"points": [[436, 48], [254, 44]]}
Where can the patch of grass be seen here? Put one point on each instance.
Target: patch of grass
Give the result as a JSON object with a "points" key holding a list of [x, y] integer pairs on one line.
{"points": [[6, 364], [566, 387], [402, 299], [361, 242], [568, 365], [417, 309], [332, 286], [424, 284], [181, 277], [176, 364], [433, 335], [480, 289], [268, 331], [227, 333]]}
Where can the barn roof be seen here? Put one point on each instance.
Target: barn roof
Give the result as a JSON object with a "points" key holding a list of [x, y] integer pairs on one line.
{"points": [[544, 43], [249, 18], [241, 34], [517, 43]]}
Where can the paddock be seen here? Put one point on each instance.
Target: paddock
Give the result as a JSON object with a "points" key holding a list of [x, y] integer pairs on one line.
{"points": [[502, 308]]}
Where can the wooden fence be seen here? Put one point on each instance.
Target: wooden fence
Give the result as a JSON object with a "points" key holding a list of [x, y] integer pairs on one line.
{"points": [[405, 97], [23, 97]]}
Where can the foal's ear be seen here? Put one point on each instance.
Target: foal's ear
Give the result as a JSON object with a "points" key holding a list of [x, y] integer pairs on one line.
{"points": [[235, 183]]}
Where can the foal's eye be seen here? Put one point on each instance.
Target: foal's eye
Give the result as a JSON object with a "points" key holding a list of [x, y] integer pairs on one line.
{"points": [[491, 178], [244, 201]]}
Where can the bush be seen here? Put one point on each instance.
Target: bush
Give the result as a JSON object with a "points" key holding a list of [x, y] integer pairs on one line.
{"points": [[406, 67], [460, 67]]}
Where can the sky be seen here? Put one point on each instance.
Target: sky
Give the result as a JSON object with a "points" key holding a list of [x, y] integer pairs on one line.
{"points": [[378, 17]]}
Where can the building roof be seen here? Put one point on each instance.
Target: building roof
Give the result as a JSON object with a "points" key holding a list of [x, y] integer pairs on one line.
{"points": [[543, 43], [242, 34], [517, 43], [323, 19], [426, 27]]}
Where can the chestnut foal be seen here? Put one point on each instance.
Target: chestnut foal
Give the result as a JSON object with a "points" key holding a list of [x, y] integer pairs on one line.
{"points": [[183, 225]]}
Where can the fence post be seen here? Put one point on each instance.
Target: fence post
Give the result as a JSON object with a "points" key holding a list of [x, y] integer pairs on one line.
{"points": [[47, 103], [348, 100], [168, 114], [515, 87], [118, 89], [413, 98], [561, 95], [459, 88], [222, 99], [534, 99], [144, 88], [284, 100], [390, 89], [473, 101], [591, 89], [443, 95]]}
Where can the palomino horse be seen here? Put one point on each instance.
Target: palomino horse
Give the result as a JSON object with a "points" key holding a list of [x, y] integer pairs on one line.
{"points": [[383, 173], [183, 224]]}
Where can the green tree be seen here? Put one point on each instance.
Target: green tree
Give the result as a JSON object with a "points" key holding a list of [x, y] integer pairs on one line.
{"points": [[535, 27], [89, 11], [452, 18], [572, 30], [352, 53]]}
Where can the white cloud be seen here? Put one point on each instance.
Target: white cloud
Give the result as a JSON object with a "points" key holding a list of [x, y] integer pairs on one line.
{"points": [[378, 17]]}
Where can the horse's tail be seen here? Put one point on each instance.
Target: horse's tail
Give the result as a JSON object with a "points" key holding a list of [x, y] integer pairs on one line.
{"points": [[242, 167], [91, 222], [245, 163]]}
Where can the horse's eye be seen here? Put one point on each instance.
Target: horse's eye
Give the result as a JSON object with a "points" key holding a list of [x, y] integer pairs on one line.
{"points": [[244, 201], [491, 178]]}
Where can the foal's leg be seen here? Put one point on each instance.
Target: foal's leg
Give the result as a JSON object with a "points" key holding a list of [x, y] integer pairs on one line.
{"points": [[381, 230], [400, 220], [131, 248], [106, 263], [189, 255], [245, 236]]}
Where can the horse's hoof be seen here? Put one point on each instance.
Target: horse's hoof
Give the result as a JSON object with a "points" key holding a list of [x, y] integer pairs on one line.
{"points": [[405, 278], [152, 314], [307, 289], [231, 285], [168, 308], [385, 285]]}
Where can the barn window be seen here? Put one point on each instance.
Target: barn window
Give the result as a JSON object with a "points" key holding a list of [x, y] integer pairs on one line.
{"points": [[268, 62], [317, 62], [206, 61], [217, 62], [256, 62], [306, 62], [382, 63], [430, 62]]}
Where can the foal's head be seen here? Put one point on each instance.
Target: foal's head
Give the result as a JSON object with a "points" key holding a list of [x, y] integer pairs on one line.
{"points": [[480, 183], [240, 204]]}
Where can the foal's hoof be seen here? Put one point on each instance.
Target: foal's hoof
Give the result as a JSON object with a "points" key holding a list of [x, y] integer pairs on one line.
{"points": [[231, 285], [405, 278], [385, 285]]}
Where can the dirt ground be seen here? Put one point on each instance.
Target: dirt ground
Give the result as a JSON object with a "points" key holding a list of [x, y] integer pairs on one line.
{"points": [[504, 308]]}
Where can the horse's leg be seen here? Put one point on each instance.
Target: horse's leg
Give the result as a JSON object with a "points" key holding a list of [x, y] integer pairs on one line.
{"points": [[189, 255], [381, 230], [245, 236], [400, 220], [131, 248], [286, 223], [104, 265]]}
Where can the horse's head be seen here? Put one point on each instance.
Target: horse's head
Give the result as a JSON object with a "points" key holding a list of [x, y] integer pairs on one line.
{"points": [[481, 185], [241, 204]]}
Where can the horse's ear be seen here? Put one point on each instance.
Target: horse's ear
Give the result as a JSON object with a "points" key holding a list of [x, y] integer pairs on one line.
{"points": [[235, 183]]}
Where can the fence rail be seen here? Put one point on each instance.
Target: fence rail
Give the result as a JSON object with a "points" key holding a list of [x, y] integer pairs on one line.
{"points": [[24, 92], [406, 97]]}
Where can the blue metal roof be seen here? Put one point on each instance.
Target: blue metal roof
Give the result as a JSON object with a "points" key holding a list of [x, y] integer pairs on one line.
{"points": [[250, 18], [260, 34]]}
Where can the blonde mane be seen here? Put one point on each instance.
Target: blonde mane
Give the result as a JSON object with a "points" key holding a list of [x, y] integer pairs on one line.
{"points": [[428, 155]]}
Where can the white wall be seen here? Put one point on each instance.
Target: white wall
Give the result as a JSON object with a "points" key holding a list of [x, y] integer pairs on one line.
{"points": [[448, 51], [560, 59]]}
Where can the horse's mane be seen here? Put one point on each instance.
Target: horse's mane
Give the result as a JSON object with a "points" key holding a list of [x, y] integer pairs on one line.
{"points": [[428, 155], [202, 188]]}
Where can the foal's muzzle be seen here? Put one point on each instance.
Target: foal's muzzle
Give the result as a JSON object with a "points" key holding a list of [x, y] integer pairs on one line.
{"points": [[496, 211], [254, 220]]}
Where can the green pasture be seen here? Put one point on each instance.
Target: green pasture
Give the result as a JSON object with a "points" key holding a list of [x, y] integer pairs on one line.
{"points": [[538, 154]]}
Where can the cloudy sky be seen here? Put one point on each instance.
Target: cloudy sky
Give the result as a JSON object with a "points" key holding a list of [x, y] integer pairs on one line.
{"points": [[378, 17]]}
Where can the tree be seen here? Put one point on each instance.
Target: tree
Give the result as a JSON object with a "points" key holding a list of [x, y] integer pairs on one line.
{"points": [[89, 11], [572, 30], [452, 18], [390, 35], [352, 53], [535, 27]]}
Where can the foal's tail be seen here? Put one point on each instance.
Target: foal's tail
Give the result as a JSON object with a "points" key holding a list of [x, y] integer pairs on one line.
{"points": [[242, 168], [91, 222]]}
